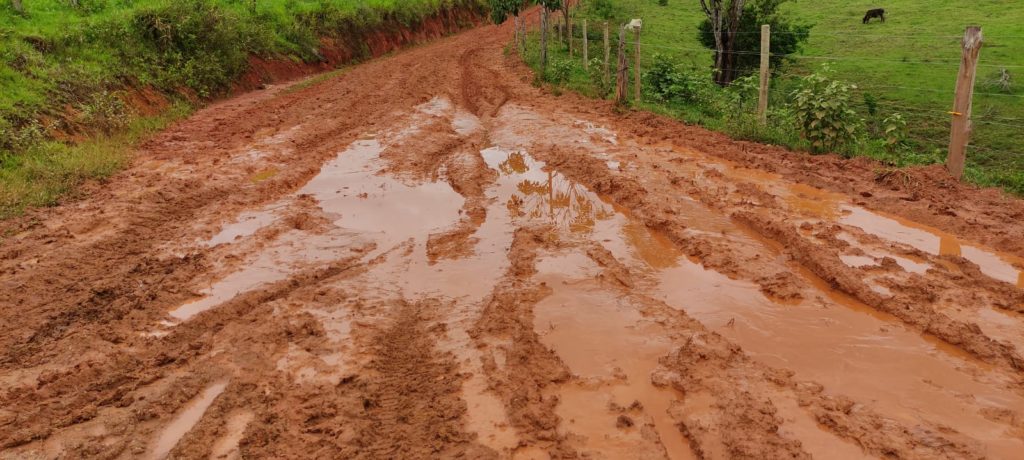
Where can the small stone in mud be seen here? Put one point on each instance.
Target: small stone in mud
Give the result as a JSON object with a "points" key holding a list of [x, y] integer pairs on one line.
{"points": [[624, 422]]}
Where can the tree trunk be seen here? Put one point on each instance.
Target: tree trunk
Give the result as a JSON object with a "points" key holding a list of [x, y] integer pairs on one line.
{"points": [[568, 29], [17, 6], [724, 29], [735, 13]]}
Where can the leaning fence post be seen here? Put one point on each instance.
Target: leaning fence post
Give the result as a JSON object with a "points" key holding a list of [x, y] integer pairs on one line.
{"points": [[544, 40], [620, 79], [636, 67], [586, 48], [960, 129], [762, 95]]}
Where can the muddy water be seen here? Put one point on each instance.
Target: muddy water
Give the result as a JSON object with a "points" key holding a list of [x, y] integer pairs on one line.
{"points": [[606, 343], [833, 339], [1000, 266], [184, 421]]}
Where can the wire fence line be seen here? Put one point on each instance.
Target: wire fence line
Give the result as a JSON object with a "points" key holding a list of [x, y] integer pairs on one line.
{"points": [[930, 117]]}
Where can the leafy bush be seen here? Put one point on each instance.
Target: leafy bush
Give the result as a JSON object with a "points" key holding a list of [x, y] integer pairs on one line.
{"points": [[666, 81], [895, 129], [560, 70], [106, 112], [597, 81], [195, 43], [823, 112]]}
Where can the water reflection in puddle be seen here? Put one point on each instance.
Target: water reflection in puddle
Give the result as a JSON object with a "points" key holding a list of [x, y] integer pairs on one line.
{"points": [[349, 188]]}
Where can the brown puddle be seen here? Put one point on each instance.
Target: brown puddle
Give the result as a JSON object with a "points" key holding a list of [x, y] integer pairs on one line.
{"points": [[226, 448], [607, 344], [998, 265], [836, 207], [852, 350], [357, 199], [855, 351], [184, 421]]}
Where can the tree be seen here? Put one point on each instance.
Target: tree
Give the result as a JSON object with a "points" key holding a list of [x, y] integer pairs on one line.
{"points": [[17, 6], [724, 16], [787, 37]]}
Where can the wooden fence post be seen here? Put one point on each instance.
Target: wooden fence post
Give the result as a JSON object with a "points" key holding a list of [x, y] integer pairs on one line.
{"points": [[960, 131], [607, 56], [515, 23], [636, 66], [543, 39], [586, 48], [762, 95], [621, 78]]}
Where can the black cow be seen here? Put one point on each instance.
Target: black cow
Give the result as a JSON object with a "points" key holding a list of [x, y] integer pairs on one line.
{"points": [[875, 13]]}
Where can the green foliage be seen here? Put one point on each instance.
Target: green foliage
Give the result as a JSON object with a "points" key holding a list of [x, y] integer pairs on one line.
{"points": [[560, 70], [502, 9], [604, 10], [666, 81], [106, 112], [895, 129], [66, 64], [595, 76], [824, 112]]}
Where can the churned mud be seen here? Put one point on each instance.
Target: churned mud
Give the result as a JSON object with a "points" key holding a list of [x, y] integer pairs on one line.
{"points": [[427, 257]]}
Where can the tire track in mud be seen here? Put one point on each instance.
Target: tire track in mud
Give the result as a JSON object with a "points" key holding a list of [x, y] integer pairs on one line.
{"points": [[410, 398], [394, 339], [518, 366]]}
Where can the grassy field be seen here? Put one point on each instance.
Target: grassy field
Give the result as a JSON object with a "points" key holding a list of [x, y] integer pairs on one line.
{"points": [[62, 69], [907, 64]]}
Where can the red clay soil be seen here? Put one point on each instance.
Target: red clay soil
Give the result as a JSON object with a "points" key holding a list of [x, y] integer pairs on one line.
{"points": [[428, 257]]}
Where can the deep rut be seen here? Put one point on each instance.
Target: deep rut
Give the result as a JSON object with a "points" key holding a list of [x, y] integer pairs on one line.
{"points": [[427, 257]]}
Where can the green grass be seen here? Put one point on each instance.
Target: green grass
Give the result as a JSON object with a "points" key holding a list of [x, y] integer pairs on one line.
{"points": [[62, 69], [909, 64], [48, 170]]}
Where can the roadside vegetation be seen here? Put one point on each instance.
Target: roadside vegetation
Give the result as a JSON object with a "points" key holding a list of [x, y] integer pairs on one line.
{"points": [[881, 90], [66, 67]]}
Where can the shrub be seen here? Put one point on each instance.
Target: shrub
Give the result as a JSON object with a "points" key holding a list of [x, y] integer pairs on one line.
{"points": [[823, 112], [106, 112], [895, 129], [596, 75], [666, 81], [560, 70]]}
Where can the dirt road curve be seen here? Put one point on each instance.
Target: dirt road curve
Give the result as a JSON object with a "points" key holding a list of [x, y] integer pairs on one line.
{"points": [[427, 257]]}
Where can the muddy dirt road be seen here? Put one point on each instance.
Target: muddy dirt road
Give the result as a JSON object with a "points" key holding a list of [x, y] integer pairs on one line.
{"points": [[427, 257]]}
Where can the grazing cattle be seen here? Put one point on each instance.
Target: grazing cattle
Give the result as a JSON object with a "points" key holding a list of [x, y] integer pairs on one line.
{"points": [[875, 13]]}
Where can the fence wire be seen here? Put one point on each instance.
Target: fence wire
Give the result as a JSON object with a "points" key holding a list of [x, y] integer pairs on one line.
{"points": [[932, 115]]}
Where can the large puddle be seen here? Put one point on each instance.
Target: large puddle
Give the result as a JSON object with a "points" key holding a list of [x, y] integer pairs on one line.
{"points": [[848, 347], [834, 340]]}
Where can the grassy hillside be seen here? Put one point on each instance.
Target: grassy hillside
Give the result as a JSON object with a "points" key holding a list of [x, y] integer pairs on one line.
{"points": [[63, 70], [907, 65]]}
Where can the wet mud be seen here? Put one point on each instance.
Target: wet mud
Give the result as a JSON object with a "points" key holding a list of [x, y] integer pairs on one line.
{"points": [[428, 257]]}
